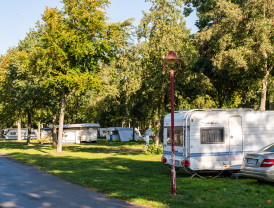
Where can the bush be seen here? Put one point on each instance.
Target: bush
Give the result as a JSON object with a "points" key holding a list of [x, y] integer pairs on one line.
{"points": [[153, 150]]}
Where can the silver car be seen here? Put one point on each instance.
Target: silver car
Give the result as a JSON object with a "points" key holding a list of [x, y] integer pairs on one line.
{"points": [[260, 164]]}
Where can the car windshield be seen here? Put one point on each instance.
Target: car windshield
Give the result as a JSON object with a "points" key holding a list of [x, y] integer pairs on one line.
{"points": [[269, 148]]}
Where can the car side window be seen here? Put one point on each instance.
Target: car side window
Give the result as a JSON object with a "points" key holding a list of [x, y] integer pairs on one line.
{"points": [[269, 149]]}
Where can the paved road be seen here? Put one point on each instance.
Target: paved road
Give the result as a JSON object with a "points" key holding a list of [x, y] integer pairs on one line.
{"points": [[23, 186]]}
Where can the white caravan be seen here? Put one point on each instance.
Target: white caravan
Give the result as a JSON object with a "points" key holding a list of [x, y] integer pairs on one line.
{"points": [[75, 133], [112, 131], [216, 139], [102, 132], [13, 134], [122, 134]]}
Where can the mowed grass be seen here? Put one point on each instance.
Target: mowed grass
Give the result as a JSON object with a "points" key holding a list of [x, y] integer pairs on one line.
{"points": [[124, 171]]}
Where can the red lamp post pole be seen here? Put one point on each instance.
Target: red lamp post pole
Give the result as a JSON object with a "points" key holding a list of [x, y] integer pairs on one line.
{"points": [[171, 59], [173, 172]]}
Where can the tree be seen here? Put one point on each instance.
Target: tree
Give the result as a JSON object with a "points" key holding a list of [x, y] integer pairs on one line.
{"points": [[21, 91], [237, 37], [120, 81], [160, 31], [74, 43], [240, 42]]}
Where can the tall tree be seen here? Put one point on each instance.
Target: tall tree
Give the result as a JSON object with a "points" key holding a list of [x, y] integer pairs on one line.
{"points": [[239, 42], [75, 42], [21, 89], [162, 30]]}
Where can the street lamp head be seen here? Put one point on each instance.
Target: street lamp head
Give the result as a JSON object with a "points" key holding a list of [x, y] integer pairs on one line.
{"points": [[171, 58]]}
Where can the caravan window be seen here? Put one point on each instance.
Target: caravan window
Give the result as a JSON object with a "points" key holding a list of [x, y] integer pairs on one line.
{"points": [[178, 137], [13, 133], [212, 135]]}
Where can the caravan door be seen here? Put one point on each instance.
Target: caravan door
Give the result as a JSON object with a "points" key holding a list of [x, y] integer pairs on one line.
{"points": [[235, 140], [69, 137]]}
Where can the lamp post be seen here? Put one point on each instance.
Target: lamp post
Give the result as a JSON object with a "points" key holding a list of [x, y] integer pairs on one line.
{"points": [[172, 59]]}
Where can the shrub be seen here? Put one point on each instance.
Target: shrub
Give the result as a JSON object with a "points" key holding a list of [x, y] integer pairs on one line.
{"points": [[153, 150]]}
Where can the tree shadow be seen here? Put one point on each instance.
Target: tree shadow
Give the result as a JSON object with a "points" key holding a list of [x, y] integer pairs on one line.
{"points": [[119, 175]]}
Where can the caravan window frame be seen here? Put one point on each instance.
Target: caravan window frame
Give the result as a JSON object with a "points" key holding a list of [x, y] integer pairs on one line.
{"points": [[168, 141], [205, 141]]}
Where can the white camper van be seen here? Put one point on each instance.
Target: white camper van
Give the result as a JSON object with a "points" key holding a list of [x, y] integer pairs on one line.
{"points": [[216, 139]]}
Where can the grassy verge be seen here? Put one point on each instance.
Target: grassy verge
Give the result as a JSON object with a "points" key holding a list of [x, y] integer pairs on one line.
{"points": [[122, 171]]}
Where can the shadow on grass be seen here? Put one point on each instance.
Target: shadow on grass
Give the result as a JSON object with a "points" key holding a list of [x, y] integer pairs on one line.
{"points": [[120, 151], [145, 181], [7, 144], [121, 148]]}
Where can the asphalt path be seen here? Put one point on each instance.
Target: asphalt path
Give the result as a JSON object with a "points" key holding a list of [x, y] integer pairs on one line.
{"points": [[23, 186]]}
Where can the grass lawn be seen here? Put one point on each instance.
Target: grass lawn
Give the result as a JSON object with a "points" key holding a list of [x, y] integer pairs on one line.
{"points": [[123, 171]]}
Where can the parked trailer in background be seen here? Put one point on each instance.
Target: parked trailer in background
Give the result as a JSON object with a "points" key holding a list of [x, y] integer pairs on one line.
{"points": [[123, 134], [13, 134], [102, 132], [112, 131], [77, 133], [216, 139]]}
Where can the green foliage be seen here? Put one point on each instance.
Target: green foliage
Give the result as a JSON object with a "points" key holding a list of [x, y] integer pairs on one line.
{"points": [[152, 149], [108, 78], [238, 41], [161, 30], [21, 90]]}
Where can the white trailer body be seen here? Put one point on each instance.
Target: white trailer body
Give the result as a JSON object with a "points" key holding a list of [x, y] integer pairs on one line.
{"points": [[13, 134], [122, 134], [126, 134], [102, 132], [77, 133], [112, 131], [216, 139]]}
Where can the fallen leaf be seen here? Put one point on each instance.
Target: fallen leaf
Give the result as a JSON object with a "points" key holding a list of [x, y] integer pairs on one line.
{"points": [[269, 201]]}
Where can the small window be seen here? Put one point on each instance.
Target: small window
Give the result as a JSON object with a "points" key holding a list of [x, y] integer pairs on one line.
{"points": [[178, 137], [12, 133], [212, 135]]}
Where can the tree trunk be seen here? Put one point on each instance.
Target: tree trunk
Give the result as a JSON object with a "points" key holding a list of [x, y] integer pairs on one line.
{"points": [[158, 126], [159, 122], [54, 130], [19, 137], [61, 123], [39, 131], [133, 130], [29, 127], [266, 75], [264, 90]]}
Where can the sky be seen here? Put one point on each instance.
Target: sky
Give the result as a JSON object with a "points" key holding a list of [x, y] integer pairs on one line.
{"points": [[17, 17]]}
